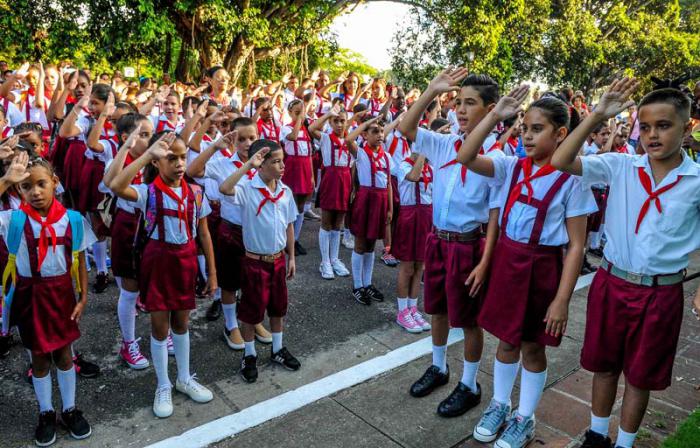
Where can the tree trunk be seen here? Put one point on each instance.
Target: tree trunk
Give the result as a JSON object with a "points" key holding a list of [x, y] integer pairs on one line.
{"points": [[182, 70], [168, 59]]}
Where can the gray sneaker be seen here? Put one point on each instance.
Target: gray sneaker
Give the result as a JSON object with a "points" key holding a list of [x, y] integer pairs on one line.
{"points": [[492, 421], [518, 433]]}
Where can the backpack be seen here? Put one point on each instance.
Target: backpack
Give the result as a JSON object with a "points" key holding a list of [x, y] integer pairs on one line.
{"points": [[14, 236]]}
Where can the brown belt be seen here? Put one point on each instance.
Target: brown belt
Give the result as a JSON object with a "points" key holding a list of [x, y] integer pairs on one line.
{"points": [[265, 258], [466, 237]]}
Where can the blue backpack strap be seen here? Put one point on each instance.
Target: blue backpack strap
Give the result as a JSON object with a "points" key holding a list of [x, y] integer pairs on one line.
{"points": [[14, 236], [77, 230]]}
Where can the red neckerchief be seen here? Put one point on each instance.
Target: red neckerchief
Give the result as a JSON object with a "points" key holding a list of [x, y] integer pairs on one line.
{"points": [[268, 131], [56, 212], [622, 149], [108, 132], [303, 136], [375, 158], [342, 147], [375, 106], [6, 131], [163, 123], [238, 164], [226, 153], [181, 202], [645, 180], [423, 123], [321, 102], [513, 142], [129, 159], [458, 145], [426, 173], [395, 142], [268, 197], [527, 178], [206, 138]]}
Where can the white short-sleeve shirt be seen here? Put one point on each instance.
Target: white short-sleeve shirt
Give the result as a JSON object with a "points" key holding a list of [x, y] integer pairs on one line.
{"points": [[218, 169], [298, 147], [573, 199], [457, 206], [364, 169], [402, 148], [664, 239], [342, 158], [174, 233], [15, 116], [55, 262], [407, 188], [265, 233]]}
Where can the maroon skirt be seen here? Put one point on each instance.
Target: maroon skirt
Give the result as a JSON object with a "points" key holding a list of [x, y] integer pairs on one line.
{"points": [[369, 210], [229, 249], [214, 220], [41, 309], [93, 171], [167, 276], [57, 156], [123, 236], [335, 188], [595, 220], [73, 167], [632, 329], [297, 174], [523, 282], [413, 225]]}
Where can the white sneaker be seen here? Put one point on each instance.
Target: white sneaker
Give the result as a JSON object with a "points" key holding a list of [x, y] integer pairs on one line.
{"points": [[310, 214], [163, 402], [326, 271], [339, 268], [194, 390], [348, 241]]}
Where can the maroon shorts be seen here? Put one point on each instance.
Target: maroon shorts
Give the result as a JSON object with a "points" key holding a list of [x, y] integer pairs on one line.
{"points": [[89, 195], [523, 282], [123, 234], [595, 220], [369, 210], [73, 167], [297, 174], [167, 276], [264, 289], [335, 188], [447, 266], [413, 226], [229, 249], [41, 309], [214, 220], [632, 329]]}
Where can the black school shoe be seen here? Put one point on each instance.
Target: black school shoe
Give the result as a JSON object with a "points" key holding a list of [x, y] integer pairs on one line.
{"points": [[299, 249], [286, 359], [249, 369], [101, 282], [431, 379], [5, 344], [374, 293], [45, 432], [459, 401], [594, 440], [85, 369], [76, 424], [360, 296], [214, 311], [587, 267]]}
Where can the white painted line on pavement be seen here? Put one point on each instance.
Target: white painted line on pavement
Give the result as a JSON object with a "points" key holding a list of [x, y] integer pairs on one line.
{"points": [[230, 425]]}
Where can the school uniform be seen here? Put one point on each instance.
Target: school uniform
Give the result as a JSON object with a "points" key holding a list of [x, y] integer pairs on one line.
{"points": [[44, 296], [370, 206], [14, 116], [162, 124], [461, 202], [322, 107], [530, 248], [168, 269], [414, 220], [6, 132], [229, 248], [635, 303], [269, 131], [399, 149], [374, 106], [93, 170], [336, 180], [297, 160], [265, 216], [211, 188], [123, 229], [600, 193], [33, 114], [75, 155]]}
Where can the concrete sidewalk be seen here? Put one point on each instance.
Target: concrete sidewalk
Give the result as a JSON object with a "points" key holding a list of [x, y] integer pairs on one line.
{"points": [[380, 412]]}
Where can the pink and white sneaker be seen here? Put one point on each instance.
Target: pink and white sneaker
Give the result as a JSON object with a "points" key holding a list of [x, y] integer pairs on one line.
{"points": [[405, 320], [171, 347], [418, 318], [131, 354]]}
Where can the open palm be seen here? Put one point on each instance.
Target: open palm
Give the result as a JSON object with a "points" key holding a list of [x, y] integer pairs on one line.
{"points": [[448, 80], [617, 98], [510, 104]]}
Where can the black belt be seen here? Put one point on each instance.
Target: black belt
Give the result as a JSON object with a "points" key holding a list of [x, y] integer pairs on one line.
{"points": [[465, 237]]}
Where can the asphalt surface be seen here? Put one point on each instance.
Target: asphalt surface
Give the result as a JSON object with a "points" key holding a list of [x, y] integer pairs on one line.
{"points": [[321, 315]]}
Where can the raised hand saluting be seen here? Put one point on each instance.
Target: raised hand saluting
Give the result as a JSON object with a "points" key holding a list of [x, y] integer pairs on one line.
{"points": [[448, 80], [511, 104], [617, 98]]}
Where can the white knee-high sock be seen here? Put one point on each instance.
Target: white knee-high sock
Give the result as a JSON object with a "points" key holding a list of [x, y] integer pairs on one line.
{"points": [[202, 261], [126, 314], [469, 374], [181, 343], [440, 357], [159, 354], [324, 245], [531, 388], [99, 251], [334, 244], [42, 389], [357, 269], [367, 268], [297, 226], [66, 384], [230, 315], [503, 380]]}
